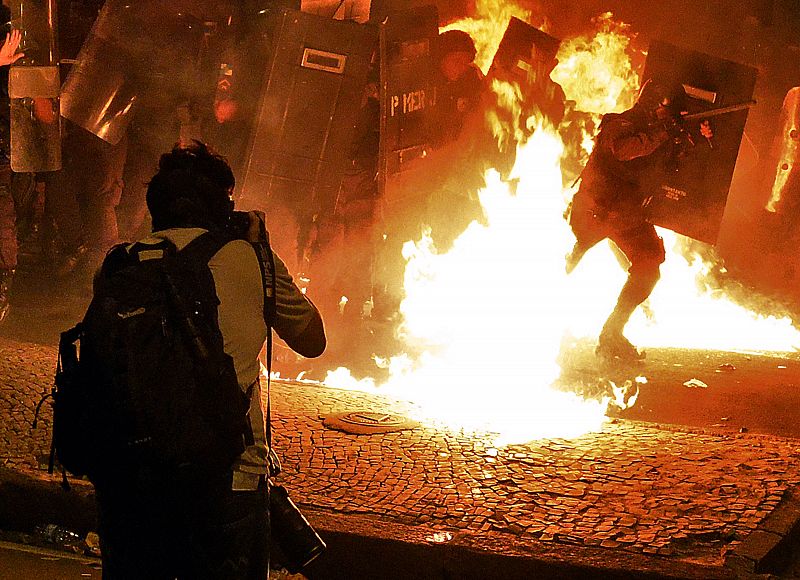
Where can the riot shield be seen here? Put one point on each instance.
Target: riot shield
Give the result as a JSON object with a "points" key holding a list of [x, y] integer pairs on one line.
{"points": [[380, 10], [694, 190], [526, 56], [33, 86], [305, 121], [784, 160], [408, 94], [134, 49]]}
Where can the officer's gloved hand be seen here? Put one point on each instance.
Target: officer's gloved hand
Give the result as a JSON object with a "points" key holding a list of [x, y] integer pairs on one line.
{"points": [[706, 130], [668, 121]]}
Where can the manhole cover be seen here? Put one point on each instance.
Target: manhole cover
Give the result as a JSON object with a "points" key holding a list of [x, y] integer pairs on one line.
{"points": [[368, 422]]}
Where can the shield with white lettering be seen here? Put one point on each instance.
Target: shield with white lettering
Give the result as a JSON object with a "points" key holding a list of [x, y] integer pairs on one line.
{"points": [[693, 190], [407, 41]]}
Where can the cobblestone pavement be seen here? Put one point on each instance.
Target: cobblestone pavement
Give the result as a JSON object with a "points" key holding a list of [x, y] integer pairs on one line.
{"points": [[26, 373], [632, 487]]}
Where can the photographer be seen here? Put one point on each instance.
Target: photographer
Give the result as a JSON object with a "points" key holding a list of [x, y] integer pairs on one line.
{"points": [[205, 524]]}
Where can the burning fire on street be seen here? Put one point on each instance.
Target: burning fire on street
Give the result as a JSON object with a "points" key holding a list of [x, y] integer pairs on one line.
{"points": [[483, 324]]}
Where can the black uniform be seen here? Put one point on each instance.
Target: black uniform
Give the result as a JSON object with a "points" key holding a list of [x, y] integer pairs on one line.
{"points": [[615, 185]]}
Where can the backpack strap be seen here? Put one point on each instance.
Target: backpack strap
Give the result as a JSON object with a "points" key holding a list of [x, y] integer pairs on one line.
{"points": [[201, 249]]}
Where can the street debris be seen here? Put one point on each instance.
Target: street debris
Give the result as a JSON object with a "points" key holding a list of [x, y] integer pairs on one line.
{"points": [[439, 537], [60, 536], [695, 384]]}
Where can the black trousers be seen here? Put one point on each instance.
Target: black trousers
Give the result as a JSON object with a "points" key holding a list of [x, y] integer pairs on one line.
{"points": [[188, 526]]}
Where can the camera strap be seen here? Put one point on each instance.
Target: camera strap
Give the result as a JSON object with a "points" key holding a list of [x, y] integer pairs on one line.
{"points": [[266, 262]]}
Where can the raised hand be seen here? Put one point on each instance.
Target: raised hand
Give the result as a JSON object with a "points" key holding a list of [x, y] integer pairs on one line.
{"points": [[8, 52]]}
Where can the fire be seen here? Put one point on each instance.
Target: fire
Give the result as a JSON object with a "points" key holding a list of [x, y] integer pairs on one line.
{"points": [[596, 72], [488, 26], [483, 324], [488, 314], [508, 96], [682, 316]]}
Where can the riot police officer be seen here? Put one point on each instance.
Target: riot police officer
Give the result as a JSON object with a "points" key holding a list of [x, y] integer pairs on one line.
{"points": [[631, 150]]}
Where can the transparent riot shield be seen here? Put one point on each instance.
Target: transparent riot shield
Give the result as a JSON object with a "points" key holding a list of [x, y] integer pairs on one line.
{"points": [[691, 196], [33, 87], [784, 161], [135, 50]]}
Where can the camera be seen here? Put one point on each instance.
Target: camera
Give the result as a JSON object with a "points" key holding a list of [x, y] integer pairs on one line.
{"points": [[297, 539], [238, 224], [242, 226]]}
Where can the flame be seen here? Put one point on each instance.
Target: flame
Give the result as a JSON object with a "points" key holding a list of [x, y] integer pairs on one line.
{"points": [[488, 314], [508, 97], [596, 72], [488, 26], [483, 323], [682, 317]]}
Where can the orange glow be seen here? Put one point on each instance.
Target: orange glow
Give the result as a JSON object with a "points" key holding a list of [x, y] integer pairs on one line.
{"points": [[483, 324], [596, 72], [488, 26]]}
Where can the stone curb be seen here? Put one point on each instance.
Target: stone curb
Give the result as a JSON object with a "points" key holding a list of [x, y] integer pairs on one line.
{"points": [[769, 548], [360, 547], [30, 499], [364, 547]]}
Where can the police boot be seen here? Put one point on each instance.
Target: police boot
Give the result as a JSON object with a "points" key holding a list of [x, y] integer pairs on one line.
{"points": [[614, 346], [5, 287]]}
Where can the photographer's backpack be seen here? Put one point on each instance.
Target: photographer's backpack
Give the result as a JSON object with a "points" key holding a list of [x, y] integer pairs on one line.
{"points": [[144, 379]]}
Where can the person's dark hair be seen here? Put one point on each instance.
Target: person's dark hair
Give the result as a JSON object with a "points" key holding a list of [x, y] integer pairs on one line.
{"points": [[192, 188]]}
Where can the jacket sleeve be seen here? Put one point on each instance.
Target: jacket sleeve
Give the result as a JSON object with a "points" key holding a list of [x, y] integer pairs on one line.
{"points": [[297, 320], [626, 142]]}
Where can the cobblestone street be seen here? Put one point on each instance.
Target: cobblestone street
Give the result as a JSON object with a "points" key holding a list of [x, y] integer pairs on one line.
{"points": [[630, 487], [674, 493]]}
